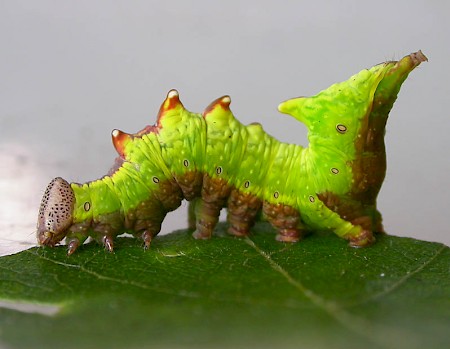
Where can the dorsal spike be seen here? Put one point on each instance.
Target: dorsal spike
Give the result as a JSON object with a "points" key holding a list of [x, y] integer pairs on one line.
{"points": [[222, 102], [120, 140], [172, 102], [293, 107]]}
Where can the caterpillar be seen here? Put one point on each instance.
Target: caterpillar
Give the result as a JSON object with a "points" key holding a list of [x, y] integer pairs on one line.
{"points": [[213, 161]]}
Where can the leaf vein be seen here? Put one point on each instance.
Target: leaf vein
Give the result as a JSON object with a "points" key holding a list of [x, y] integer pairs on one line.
{"points": [[400, 281], [120, 281], [379, 334]]}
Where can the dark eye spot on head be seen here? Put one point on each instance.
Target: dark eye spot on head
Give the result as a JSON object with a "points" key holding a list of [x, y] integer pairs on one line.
{"points": [[87, 206]]}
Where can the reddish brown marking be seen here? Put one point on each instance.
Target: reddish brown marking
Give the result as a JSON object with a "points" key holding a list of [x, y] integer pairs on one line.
{"points": [[348, 209], [169, 194], [120, 140], [223, 102], [355, 212], [171, 102], [146, 130], [369, 168], [148, 215], [215, 189], [242, 211], [364, 239], [146, 219], [190, 183], [285, 219], [215, 192]]}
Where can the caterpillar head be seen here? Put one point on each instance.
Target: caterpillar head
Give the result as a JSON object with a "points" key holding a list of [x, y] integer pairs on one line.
{"points": [[55, 213]]}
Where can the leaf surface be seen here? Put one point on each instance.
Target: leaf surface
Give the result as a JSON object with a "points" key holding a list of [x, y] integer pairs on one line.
{"points": [[229, 293]]}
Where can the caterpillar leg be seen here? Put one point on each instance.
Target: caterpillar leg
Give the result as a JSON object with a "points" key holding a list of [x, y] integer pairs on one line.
{"points": [[108, 242], [148, 227], [378, 223], [72, 246], [362, 239], [363, 219], [105, 238], [191, 186], [147, 237], [77, 236], [242, 211], [147, 234], [191, 214], [285, 219], [105, 228], [145, 220], [215, 192], [207, 216]]}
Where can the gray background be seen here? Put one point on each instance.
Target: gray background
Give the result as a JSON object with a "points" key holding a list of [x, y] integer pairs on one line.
{"points": [[71, 71]]}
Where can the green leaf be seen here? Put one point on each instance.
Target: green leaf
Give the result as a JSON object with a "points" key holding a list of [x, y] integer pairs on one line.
{"points": [[230, 293]]}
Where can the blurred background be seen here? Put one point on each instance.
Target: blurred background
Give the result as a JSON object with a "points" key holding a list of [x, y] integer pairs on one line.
{"points": [[71, 71]]}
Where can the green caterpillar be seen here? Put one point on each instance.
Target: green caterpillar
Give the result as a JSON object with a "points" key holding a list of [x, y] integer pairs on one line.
{"points": [[214, 161]]}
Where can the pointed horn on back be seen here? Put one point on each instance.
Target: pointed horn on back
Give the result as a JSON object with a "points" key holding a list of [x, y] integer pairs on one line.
{"points": [[172, 102], [293, 107], [222, 102], [120, 140]]}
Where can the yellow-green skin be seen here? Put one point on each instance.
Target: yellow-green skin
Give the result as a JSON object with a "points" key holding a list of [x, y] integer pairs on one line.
{"points": [[346, 129]]}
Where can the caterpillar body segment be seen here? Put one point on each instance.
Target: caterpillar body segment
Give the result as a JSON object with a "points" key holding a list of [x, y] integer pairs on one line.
{"points": [[214, 161]]}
